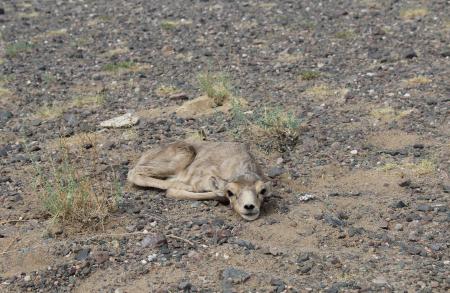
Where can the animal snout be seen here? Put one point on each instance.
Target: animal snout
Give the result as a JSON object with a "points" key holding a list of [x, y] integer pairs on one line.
{"points": [[249, 207]]}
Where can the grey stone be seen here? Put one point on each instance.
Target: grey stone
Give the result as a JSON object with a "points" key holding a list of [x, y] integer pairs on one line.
{"points": [[275, 172], [154, 240], [235, 276], [82, 254]]}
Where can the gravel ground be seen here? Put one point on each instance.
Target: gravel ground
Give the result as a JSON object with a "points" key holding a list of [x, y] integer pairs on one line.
{"points": [[361, 201]]}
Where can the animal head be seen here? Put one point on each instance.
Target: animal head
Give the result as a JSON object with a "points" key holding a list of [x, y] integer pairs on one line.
{"points": [[246, 194]]}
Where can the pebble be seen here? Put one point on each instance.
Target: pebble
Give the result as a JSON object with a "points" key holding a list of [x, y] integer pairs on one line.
{"points": [[424, 208], [235, 276], [100, 256], [184, 285], [398, 227], [27, 278], [354, 152], [380, 280], [384, 225], [153, 240], [399, 205], [410, 54], [126, 120], [275, 172], [152, 257], [82, 254]]}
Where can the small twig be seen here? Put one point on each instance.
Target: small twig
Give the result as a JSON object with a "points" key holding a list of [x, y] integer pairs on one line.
{"points": [[99, 236], [9, 246], [12, 221], [182, 239]]}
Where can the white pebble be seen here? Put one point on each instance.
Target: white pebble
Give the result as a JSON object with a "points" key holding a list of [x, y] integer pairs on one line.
{"points": [[144, 262], [354, 152]]}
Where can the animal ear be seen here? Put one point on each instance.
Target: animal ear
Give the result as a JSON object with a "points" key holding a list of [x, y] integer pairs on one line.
{"points": [[266, 190], [216, 183]]}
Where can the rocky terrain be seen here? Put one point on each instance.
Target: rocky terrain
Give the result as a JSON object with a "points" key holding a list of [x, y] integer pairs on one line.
{"points": [[361, 191]]}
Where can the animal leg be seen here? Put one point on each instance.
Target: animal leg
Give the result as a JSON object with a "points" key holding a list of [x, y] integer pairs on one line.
{"points": [[184, 194], [159, 164]]}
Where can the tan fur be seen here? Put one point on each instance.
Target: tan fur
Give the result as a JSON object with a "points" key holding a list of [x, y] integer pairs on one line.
{"points": [[202, 171]]}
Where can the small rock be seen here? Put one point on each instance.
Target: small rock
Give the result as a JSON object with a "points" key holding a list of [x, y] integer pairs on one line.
{"points": [[305, 267], [154, 240], [27, 278], [410, 54], [194, 255], [2, 11], [354, 152], [244, 243], [424, 208], [275, 251], [179, 96], [418, 145], [302, 258], [446, 188], [5, 115], [280, 161], [380, 280], [413, 236], [399, 205], [306, 197], [152, 257], [275, 172], [126, 120], [445, 53], [398, 227], [235, 276], [383, 225], [82, 254], [184, 285], [405, 183], [100, 256], [333, 221]]}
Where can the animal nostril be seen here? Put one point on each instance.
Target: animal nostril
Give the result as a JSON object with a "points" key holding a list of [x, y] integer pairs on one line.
{"points": [[249, 207]]}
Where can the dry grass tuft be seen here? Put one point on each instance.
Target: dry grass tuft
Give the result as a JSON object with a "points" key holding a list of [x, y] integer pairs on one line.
{"points": [[216, 86], [166, 91], [169, 25], [387, 114], [74, 193], [413, 13], [418, 80], [52, 111]]}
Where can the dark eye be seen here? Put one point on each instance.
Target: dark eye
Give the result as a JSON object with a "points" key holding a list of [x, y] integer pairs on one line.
{"points": [[230, 194], [263, 191]]}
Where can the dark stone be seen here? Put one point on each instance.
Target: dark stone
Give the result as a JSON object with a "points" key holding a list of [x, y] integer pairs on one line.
{"points": [[399, 205], [446, 188], [275, 172], [410, 54], [352, 231], [333, 221], [82, 254], [302, 258], [70, 119], [100, 256], [405, 183], [305, 267], [184, 285], [445, 53], [424, 208], [244, 243], [5, 115], [154, 240], [235, 276], [418, 146], [2, 11]]}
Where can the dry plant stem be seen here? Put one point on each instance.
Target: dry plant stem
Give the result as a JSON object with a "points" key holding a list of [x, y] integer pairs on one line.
{"points": [[98, 236], [12, 221]]}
